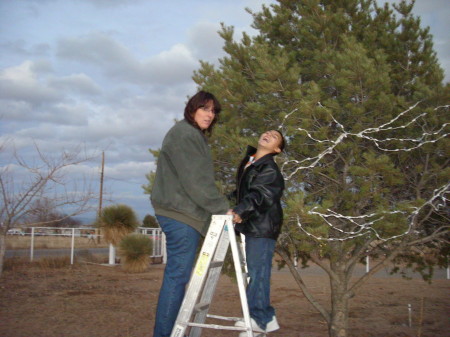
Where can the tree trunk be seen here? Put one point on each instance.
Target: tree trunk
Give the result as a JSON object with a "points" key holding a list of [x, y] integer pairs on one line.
{"points": [[338, 326]]}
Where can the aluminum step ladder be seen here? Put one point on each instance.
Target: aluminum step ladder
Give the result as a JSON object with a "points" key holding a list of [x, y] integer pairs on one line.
{"points": [[205, 276]]}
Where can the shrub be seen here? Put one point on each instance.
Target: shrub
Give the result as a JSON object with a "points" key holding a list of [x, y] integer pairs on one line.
{"points": [[116, 222], [135, 250]]}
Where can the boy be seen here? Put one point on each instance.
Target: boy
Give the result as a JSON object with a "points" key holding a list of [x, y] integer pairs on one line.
{"points": [[259, 216]]}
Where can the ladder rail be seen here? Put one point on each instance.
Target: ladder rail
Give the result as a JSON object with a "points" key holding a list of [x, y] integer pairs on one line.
{"points": [[212, 280], [240, 281], [198, 277], [204, 279]]}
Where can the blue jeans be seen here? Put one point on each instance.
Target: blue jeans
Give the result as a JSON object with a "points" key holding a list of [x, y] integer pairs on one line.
{"points": [[259, 253], [181, 244]]}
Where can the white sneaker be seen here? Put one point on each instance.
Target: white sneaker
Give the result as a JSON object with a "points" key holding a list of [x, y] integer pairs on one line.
{"points": [[272, 325], [255, 325]]}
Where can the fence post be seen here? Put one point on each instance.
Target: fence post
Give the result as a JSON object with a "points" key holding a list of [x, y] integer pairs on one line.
{"points": [[154, 241], [72, 250], [112, 254], [367, 264], [163, 247]]}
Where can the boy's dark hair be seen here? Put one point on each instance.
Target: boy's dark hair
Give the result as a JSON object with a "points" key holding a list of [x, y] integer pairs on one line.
{"points": [[282, 141], [199, 100]]}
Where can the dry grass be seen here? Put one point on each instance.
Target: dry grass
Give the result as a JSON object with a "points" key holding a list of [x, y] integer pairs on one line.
{"points": [[17, 263], [137, 265], [92, 300], [48, 263], [43, 242], [115, 234]]}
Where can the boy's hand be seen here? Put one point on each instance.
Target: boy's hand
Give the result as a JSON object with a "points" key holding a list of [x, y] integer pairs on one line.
{"points": [[236, 217]]}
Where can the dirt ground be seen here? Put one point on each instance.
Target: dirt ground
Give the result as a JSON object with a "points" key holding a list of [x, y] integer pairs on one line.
{"points": [[102, 301]]}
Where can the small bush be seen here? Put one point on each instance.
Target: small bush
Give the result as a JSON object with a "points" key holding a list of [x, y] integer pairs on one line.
{"points": [[116, 221], [135, 250]]}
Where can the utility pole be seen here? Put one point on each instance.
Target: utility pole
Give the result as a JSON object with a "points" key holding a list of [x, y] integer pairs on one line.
{"points": [[100, 199], [112, 249]]}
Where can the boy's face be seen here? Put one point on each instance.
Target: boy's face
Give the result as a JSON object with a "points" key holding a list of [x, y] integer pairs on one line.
{"points": [[271, 141]]}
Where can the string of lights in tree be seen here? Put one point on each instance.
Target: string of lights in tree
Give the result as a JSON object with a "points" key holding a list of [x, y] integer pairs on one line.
{"points": [[364, 224]]}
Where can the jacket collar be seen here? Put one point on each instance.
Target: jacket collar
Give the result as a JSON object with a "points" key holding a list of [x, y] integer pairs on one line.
{"points": [[252, 150], [185, 121]]}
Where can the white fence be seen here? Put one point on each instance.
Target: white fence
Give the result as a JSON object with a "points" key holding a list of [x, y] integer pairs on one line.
{"points": [[159, 241], [157, 236]]}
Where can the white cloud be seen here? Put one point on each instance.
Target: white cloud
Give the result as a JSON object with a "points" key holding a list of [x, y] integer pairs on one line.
{"points": [[170, 67], [132, 170], [109, 3], [14, 111], [21, 83], [96, 48], [205, 42], [76, 83], [25, 107]]}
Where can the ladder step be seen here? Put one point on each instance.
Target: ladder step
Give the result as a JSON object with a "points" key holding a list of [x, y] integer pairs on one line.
{"points": [[216, 264], [199, 307], [217, 326]]}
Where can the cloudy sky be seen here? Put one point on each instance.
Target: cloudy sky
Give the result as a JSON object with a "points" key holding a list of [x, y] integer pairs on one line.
{"points": [[113, 75]]}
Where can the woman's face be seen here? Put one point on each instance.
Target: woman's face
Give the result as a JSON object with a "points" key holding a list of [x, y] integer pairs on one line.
{"points": [[204, 116]]}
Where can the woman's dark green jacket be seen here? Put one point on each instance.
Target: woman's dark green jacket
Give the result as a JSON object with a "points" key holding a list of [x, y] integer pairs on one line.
{"points": [[184, 187]]}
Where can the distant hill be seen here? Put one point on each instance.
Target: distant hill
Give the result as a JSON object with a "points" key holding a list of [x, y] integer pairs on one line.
{"points": [[86, 220]]}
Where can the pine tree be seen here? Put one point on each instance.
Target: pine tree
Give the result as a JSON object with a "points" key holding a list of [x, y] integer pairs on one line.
{"points": [[358, 92]]}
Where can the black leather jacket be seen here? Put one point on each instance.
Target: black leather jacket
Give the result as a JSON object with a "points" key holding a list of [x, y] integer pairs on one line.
{"points": [[258, 196]]}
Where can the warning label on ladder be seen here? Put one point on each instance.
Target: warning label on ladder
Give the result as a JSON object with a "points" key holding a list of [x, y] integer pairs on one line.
{"points": [[202, 264]]}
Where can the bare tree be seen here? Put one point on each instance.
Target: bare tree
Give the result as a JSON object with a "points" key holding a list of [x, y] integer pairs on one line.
{"points": [[44, 213], [25, 185]]}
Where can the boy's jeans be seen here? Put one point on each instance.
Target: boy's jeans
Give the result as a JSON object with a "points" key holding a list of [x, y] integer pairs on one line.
{"points": [[259, 253], [181, 243]]}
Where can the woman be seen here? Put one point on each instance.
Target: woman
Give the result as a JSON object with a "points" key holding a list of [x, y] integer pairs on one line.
{"points": [[184, 196], [259, 216]]}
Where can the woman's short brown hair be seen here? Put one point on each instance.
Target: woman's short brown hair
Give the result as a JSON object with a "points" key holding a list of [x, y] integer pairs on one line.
{"points": [[200, 100]]}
